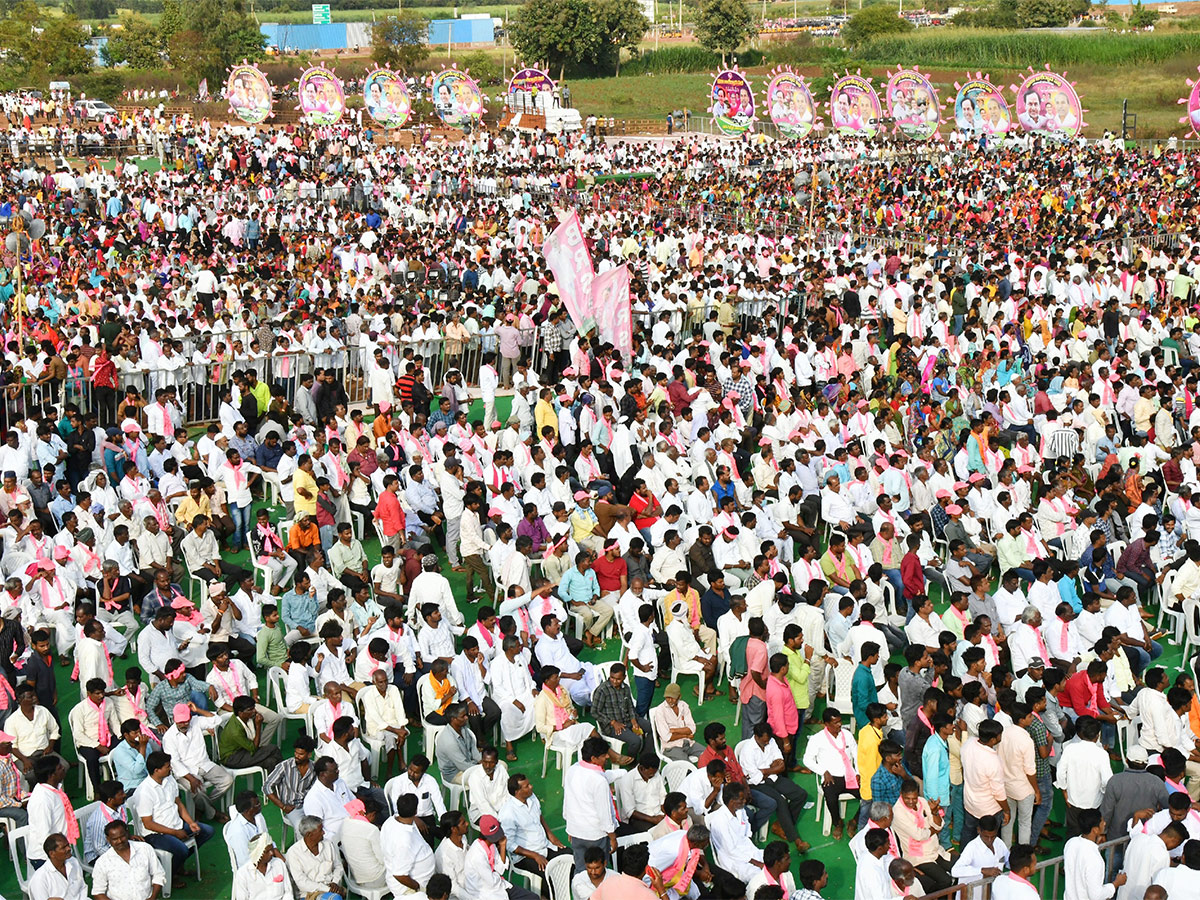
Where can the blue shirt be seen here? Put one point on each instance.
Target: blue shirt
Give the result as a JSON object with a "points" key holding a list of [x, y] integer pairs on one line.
{"points": [[885, 787], [299, 610], [862, 693], [129, 765], [1068, 591], [720, 492], [935, 768], [578, 587]]}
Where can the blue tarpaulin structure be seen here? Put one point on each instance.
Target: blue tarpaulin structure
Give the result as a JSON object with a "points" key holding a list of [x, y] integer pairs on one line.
{"points": [[461, 31]]}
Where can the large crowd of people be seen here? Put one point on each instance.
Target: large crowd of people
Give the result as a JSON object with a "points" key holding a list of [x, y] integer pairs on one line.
{"points": [[316, 498]]}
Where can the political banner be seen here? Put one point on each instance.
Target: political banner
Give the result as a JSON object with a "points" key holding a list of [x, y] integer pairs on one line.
{"points": [[790, 104], [1192, 119], [854, 106], [1047, 105], [568, 258], [611, 309], [249, 94], [732, 102], [528, 84], [386, 98], [912, 103], [456, 97], [322, 98], [980, 108]]}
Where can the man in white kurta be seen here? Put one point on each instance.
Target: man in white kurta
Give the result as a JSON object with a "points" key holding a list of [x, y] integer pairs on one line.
{"points": [[1146, 856], [512, 684]]}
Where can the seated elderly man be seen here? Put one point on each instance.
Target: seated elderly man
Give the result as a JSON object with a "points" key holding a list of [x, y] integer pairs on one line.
{"points": [[264, 875], [315, 863], [191, 765]]}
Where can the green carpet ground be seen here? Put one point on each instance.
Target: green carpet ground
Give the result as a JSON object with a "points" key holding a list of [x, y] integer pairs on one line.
{"points": [[217, 878]]}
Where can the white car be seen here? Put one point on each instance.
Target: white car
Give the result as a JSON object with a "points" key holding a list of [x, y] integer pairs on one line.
{"points": [[95, 109]]}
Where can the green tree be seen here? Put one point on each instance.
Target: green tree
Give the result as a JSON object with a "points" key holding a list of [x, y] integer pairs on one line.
{"points": [[193, 57], [41, 46], [873, 22], [557, 32], [1044, 13], [135, 41], [171, 21], [229, 33], [483, 68], [623, 24], [91, 9], [723, 25], [1141, 17], [399, 42]]}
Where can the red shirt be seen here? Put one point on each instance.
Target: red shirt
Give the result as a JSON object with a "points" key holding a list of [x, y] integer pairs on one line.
{"points": [[609, 573], [1077, 694], [647, 505], [913, 575], [733, 771], [389, 514]]}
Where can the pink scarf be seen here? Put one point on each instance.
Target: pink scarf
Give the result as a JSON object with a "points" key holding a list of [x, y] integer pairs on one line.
{"points": [[69, 812], [103, 732], [840, 747]]}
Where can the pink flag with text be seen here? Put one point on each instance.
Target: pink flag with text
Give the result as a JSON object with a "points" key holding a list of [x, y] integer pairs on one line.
{"points": [[568, 258], [611, 309]]}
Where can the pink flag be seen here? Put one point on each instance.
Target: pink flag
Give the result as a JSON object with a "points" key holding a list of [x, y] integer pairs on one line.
{"points": [[568, 258], [611, 309]]}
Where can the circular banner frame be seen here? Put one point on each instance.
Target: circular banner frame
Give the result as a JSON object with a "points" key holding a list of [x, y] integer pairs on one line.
{"points": [[854, 106], [249, 93], [320, 96], [980, 107], [789, 104], [1057, 112], [386, 98], [457, 97], [731, 101], [1192, 119], [912, 102], [531, 82]]}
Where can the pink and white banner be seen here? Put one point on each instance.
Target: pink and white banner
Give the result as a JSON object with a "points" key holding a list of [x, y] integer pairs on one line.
{"points": [[611, 309], [568, 258]]}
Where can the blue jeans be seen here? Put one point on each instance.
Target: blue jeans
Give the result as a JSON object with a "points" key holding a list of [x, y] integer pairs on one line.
{"points": [[893, 575], [1139, 658], [1041, 812], [954, 832], [178, 849], [241, 523], [645, 694], [763, 808], [1025, 574]]}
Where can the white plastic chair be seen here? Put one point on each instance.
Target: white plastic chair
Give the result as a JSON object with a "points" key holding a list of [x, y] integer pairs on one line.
{"points": [[558, 877], [245, 772], [838, 686], [563, 755], [21, 860], [1191, 630], [353, 887], [675, 771], [276, 679], [823, 817], [431, 731]]}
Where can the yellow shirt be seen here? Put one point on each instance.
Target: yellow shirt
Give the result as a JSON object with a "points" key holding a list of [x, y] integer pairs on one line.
{"points": [[869, 759], [304, 481], [544, 414]]}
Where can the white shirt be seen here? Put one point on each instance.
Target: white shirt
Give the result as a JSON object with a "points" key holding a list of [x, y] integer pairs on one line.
{"points": [[731, 842], [1180, 883], [406, 853], [1083, 772], [1083, 870], [481, 878], [872, 881], [47, 816], [1012, 887], [753, 758], [158, 802], [251, 884], [1145, 856], [976, 857], [824, 753], [131, 880], [48, 882], [587, 803], [328, 805]]}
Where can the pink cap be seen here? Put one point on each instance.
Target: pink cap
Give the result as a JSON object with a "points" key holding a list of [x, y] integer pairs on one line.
{"points": [[745, 363], [131, 427], [1024, 470], [6, 738], [495, 511], [496, 425], [764, 442], [961, 485], [943, 493], [61, 552], [863, 404], [976, 477], [569, 370], [181, 713], [581, 495], [954, 510]]}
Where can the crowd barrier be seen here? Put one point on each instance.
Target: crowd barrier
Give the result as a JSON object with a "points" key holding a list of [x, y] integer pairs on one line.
{"points": [[1047, 877], [200, 385]]}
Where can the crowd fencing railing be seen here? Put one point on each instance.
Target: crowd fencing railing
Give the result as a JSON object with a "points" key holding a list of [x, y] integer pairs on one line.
{"points": [[1047, 877]]}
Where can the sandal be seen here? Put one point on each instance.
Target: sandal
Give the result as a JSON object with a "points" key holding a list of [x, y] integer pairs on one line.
{"points": [[510, 756]]}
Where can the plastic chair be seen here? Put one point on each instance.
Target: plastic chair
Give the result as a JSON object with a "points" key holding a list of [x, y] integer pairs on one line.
{"points": [[838, 686], [276, 679], [431, 731], [245, 772], [563, 755], [353, 887], [558, 876], [675, 771], [21, 860], [823, 817]]}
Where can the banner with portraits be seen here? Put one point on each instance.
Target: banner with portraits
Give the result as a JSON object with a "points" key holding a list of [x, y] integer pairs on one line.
{"points": [[456, 97], [249, 94], [731, 102], [321, 96], [854, 106], [790, 104], [525, 86], [386, 98], [980, 108], [912, 103], [1047, 105]]}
